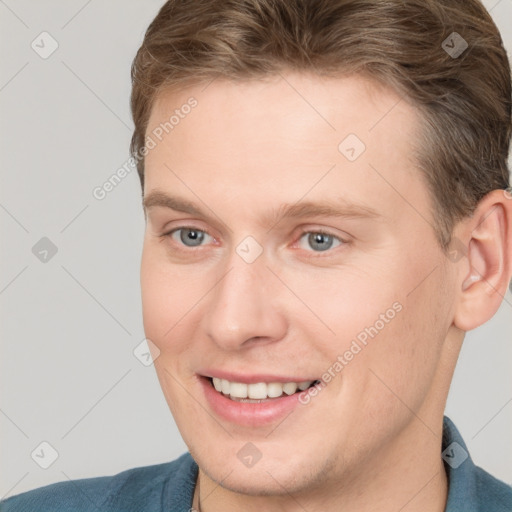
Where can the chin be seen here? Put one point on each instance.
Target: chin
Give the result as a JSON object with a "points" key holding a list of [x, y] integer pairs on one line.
{"points": [[270, 477], [254, 486], [260, 482]]}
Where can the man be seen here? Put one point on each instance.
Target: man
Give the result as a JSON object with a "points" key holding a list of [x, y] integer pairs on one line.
{"points": [[327, 213]]}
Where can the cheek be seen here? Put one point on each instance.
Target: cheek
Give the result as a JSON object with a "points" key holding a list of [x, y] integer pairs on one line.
{"points": [[164, 297], [403, 359], [349, 307], [172, 298], [389, 327]]}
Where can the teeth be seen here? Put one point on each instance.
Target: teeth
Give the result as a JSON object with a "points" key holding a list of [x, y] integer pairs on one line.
{"points": [[260, 390], [290, 387], [305, 385], [257, 391], [238, 390], [225, 386], [274, 389]]}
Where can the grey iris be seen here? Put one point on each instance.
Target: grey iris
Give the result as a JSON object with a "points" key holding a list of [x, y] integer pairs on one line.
{"points": [[193, 235], [320, 238]]}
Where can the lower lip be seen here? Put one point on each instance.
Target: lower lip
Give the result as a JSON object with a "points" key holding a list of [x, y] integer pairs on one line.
{"points": [[248, 414]]}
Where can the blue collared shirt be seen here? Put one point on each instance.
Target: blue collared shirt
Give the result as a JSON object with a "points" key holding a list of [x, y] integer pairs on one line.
{"points": [[169, 487]]}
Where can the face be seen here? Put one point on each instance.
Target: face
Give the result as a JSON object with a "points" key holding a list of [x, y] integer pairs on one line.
{"points": [[289, 240]]}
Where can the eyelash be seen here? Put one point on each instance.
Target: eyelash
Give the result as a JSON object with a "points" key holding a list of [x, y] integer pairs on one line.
{"points": [[305, 232]]}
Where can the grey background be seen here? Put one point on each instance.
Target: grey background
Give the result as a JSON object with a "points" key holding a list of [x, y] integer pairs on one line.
{"points": [[69, 326]]}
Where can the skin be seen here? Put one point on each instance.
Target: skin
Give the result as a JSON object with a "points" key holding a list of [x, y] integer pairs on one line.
{"points": [[372, 437]]}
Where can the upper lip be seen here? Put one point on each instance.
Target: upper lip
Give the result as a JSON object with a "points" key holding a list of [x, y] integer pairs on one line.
{"points": [[253, 378]]}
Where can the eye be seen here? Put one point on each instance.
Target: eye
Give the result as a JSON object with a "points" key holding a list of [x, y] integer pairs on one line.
{"points": [[189, 237], [320, 240]]}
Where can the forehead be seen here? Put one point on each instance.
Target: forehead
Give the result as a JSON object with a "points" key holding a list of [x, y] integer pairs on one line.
{"points": [[362, 103], [281, 138]]}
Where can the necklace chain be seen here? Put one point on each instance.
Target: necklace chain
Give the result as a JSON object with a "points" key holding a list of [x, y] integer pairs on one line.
{"points": [[198, 494]]}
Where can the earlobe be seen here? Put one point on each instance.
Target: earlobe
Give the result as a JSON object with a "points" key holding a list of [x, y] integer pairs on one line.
{"points": [[486, 270]]}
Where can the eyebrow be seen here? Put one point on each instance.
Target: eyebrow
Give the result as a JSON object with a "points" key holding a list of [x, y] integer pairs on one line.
{"points": [[337, 208]]}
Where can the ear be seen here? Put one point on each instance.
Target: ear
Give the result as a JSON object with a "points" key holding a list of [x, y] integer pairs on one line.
{"points": [[485, 273]]}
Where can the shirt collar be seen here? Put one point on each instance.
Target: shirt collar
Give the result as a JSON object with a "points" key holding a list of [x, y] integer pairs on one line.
{"points": [[460, 471]]}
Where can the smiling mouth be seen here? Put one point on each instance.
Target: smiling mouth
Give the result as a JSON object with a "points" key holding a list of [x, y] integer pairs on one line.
{"points": [[260, 391]]}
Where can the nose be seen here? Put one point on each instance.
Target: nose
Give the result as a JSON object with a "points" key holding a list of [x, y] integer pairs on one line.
{"points": [[245, 306]]}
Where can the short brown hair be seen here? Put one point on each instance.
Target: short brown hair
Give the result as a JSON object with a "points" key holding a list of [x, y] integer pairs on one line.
{"points": [[465, 100]]}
